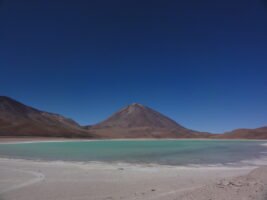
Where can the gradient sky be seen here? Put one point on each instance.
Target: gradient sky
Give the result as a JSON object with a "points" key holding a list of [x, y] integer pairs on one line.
{"points": [[202, 63]]}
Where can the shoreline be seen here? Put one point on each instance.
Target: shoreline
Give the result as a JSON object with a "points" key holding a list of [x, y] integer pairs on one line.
{"points": [[134, 165], [22, 140], [30, 180]]}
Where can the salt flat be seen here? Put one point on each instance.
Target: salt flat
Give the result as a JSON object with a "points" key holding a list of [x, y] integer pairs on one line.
{"points": [[33, 180]]}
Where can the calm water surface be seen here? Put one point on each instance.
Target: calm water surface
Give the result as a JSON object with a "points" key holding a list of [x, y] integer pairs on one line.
{"points": [[171, 152]]}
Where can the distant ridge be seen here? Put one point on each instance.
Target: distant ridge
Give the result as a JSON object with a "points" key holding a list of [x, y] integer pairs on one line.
{"points": [[133, 121], [139, 121], [17, 119], [257, 133]]}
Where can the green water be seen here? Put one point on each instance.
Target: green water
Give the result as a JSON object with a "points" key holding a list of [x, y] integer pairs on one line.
{"points": [[171, 152]]}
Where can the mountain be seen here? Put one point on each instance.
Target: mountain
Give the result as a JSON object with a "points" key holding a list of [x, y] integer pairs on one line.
{"points": [[257, 133], [138, 121], [17, 119], [133, 121]]}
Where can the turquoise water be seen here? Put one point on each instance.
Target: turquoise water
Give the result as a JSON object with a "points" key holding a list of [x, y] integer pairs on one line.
{"points": [[170, 152]]}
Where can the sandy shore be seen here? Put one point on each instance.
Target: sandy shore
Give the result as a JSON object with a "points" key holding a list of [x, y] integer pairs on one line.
{"points": [[14, 140], [33, 180]]}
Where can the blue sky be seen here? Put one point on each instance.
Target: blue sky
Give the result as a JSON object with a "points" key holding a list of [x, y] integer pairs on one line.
{"points": [[204, 64]]}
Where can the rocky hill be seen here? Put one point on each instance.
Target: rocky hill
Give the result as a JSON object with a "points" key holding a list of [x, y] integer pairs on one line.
{"points": [[17, 119]]}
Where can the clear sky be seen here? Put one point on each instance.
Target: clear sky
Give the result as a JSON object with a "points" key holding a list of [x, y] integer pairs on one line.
{"points": [[202, 63]]}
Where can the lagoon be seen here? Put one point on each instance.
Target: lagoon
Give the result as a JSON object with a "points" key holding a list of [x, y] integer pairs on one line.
{"points": [[164, 152]]}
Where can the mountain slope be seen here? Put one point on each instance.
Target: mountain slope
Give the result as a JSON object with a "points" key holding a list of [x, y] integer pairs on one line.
{"points": [[138, 121], [134, 121], [257, 133], [17, 119]]}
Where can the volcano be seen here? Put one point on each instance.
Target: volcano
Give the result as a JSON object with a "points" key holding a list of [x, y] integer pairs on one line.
{"points": [[139, 121]]}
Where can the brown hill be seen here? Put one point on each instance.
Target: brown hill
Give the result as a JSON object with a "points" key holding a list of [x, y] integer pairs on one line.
{"points": [[17, 119], [138, 121], [258, 133], [134, 121]]}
